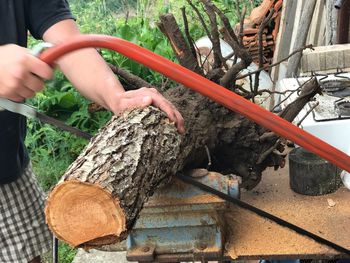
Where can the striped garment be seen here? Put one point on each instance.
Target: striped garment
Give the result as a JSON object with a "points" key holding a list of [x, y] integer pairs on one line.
{"points": [[23, 232]]}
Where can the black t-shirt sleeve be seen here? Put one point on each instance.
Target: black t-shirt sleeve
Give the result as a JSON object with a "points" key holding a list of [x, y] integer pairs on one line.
{"points": [[42, 14]]}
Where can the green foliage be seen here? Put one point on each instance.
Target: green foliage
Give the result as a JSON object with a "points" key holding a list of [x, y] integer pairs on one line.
{"points": [[66, 254], [48, 145]]}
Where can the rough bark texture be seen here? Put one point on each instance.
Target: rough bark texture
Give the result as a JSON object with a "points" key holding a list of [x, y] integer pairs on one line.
{"points": [[140, 150], [169, 27], [128, 158]]}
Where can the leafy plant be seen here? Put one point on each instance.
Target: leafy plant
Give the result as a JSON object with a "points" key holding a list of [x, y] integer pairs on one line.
{"points": [[66, 254]]}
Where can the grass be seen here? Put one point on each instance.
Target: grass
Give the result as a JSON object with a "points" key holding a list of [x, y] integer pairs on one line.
{"points": [[66, 254]]}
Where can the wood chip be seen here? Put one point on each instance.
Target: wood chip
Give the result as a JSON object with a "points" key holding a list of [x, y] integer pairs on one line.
{"points": [[331, 203]]}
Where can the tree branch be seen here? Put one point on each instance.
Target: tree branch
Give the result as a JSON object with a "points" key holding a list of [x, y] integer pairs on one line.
{"points": [[200, 18], [215, 37], [277, 63], [129, 77], [187, 32], [241, 16], [261, 49], [170, 28]]}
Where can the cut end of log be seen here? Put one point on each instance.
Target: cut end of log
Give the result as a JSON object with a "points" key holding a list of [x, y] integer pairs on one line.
{"points": [[84, 215]]}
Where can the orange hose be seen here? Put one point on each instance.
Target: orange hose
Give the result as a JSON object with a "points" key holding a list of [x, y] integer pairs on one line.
{"points": [[207, 88]]}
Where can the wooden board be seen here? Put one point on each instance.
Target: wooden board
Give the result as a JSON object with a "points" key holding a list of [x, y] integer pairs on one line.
{"points": [[317, 31], [251, 237], [283, 41]]}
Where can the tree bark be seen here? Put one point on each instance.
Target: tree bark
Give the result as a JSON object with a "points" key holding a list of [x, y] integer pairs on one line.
{"points": [[169, 27], [100, 196], [103, 191]]}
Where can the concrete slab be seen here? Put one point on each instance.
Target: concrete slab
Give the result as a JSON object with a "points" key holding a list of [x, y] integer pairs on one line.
{"points": [[325, 59], [96, 256]]}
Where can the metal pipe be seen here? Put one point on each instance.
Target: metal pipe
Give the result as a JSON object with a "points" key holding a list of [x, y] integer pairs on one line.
{"points": [[54, 249], [205, 87]]}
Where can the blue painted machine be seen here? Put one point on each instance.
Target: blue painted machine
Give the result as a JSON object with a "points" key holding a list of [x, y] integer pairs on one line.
{"points": [[182, 222]]}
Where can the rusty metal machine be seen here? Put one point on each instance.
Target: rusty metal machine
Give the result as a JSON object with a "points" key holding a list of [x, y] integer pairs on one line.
{"points": [[182, 222]]}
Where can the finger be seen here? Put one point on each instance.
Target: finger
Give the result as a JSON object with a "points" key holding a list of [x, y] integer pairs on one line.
{"points": [[180, 124], [33, 83], [39, 68], [154, 90], [173, 114], [135, 93], [24, 92], [132, 103], [163, 104], [167, 107], [140, 92], [15, 97]]}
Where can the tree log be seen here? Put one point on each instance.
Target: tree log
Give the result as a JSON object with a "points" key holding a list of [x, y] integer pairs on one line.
{"points": [[102, 192], [100, 196]]}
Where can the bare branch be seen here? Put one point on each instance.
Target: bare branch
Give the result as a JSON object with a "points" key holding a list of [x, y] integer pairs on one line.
{"points": [[265, 154], [215, 36], [229, 56], [129, 77], [171, 30], [261, 91], [187, 32], [309, 90], [238, 9], [232, 73], [227, 24], [261, 48], [241, 27], [307, 113], [201, 19], [241, 16], [277, 63], [229, 78]]}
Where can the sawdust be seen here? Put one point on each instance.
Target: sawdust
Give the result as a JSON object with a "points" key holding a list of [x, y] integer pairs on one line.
{"points": [[250, 236], [165, 197], [167, 201]]}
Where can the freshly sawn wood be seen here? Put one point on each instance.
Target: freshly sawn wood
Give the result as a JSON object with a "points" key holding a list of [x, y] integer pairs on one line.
{"points": [[103, 191]]}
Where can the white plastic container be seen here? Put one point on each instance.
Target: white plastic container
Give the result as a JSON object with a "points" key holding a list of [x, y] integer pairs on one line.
{"points": [[334, 132]]}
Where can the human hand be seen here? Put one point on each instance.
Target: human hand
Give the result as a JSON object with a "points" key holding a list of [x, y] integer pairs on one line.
{"points": [[144, 97], [21, 73]]}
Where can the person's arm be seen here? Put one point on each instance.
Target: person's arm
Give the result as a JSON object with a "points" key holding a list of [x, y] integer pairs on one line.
{"points": [[90, 74]]}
